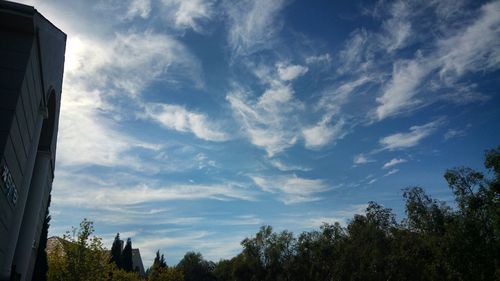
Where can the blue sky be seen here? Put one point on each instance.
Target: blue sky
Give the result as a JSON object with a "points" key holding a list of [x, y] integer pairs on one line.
{"points": [[186, 125]]}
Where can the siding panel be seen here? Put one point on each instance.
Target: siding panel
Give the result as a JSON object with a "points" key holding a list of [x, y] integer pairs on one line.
{"points": [[30, 90], [13, 164], [5, 120], [17, 42], [23, 127], [11, 79], [26, 117], [15, 137]]}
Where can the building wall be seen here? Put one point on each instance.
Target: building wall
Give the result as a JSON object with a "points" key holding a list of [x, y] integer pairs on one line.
{"points": [[31, 68]]}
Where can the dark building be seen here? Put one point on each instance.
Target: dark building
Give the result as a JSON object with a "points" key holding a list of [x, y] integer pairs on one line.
{"points": [[31, 70], [137, 263]]}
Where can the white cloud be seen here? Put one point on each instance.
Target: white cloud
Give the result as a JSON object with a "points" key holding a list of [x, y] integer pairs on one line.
{"points": [[292, 189], [454, 133], [79, 193], [140, 8], [399, 93], [397, 29], [97, 70], [240, 220], [333, 99], [290, 72], [372, 181], [323, 133], [273, 120], [130, 61], [325, 58], [391, 172], [393, 162], [361, 159], [267, 122], [286, 168], [253, 24], [87, 137], [475, 48], [178, 118], [356, 55], [189, 13], [411, 138], [275, 97]]}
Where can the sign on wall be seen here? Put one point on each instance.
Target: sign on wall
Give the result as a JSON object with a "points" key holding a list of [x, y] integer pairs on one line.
{"points": [[8, 185]]}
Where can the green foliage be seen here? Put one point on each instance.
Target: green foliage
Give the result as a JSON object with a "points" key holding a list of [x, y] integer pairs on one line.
{"points": [[122, 275], [165, 274], [80, 257], [195, 268], [158, 269]]}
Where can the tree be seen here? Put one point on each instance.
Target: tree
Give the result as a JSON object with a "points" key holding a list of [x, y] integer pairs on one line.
{"points": [[474, 238], [157, 269], [166, 274], [195, 268], [122, 275], [79, 257], [126, 257], [159, 261], [116, 251]]}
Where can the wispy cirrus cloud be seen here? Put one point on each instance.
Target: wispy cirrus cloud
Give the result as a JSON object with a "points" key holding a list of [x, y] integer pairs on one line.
{"points": [[178, 118], [189, 13], [397, 30], [315, 59], [394, 162], [292, 189], [323, 133], [471, 48], [290, 72], [356, 56], [286, 167], [475, 48], [130, 61], [391, 172], [361, 159], [456, 133], [412, 138], [140, 8], [399, 94], [253, 25], [97, 72], [266, 120], [88, 193]]}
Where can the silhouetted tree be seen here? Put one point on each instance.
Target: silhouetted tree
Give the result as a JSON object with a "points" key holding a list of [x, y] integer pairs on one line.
{"points": [[126, 257], [116, 251], [195, 268]]}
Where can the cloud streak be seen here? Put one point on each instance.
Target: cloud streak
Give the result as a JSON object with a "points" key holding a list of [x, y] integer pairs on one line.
{"points": [[292, 189], [178, 118], [253, 25], [410, 139], [394, 162]]}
